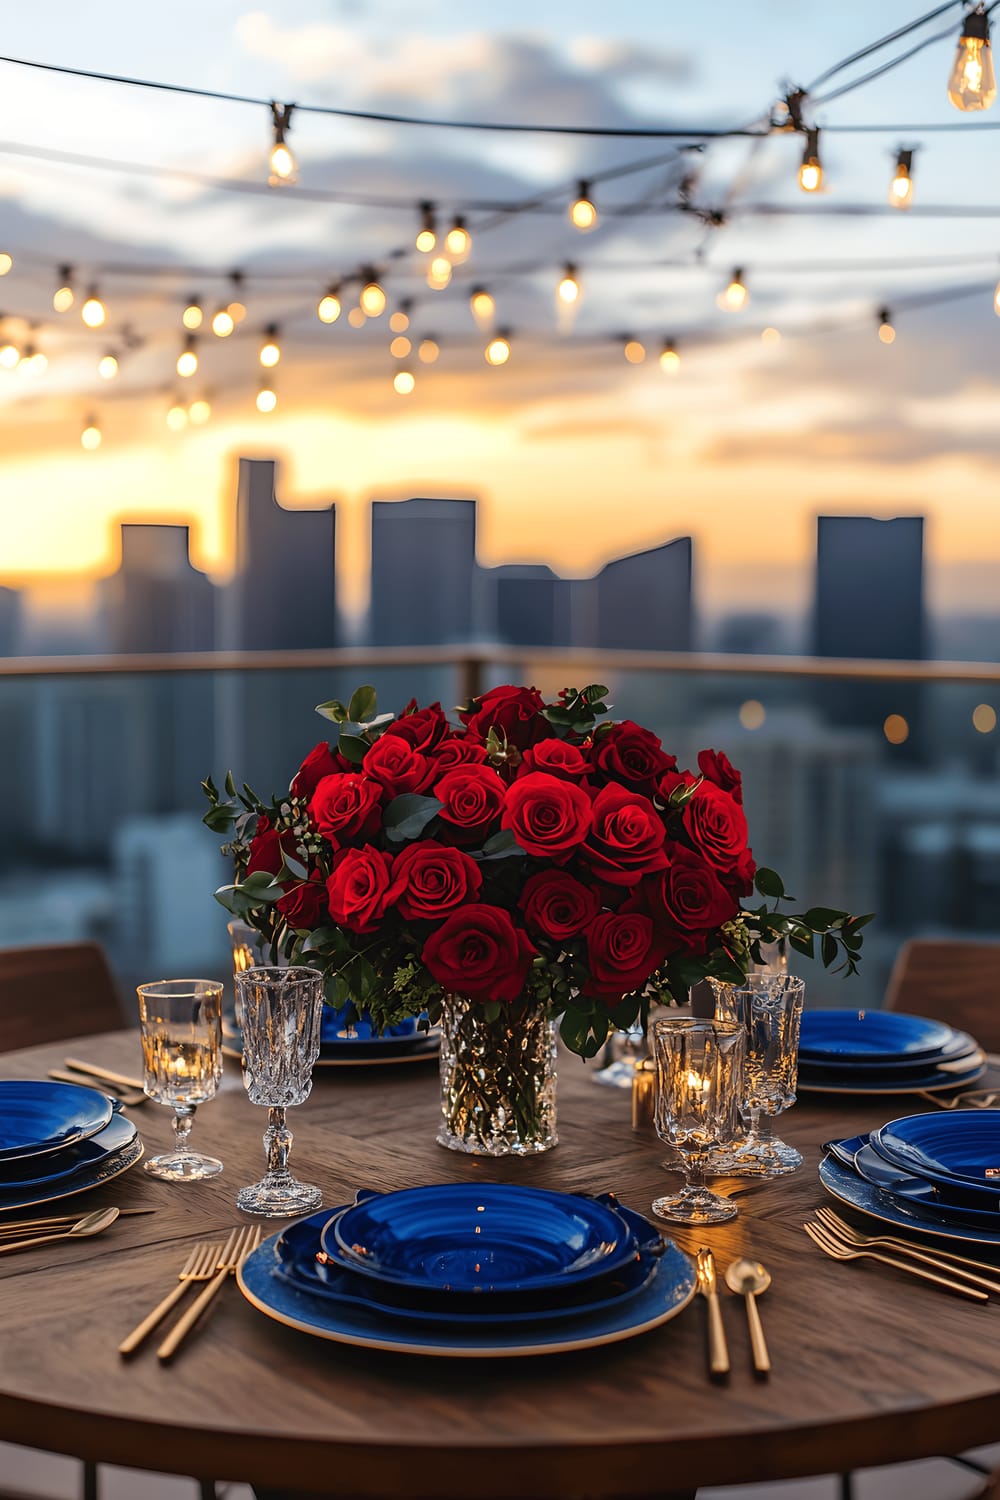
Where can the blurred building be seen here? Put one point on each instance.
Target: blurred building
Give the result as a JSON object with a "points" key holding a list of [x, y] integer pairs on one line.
{"points": [[10, 621], [157, 601], [526, 605], [642, 602], [423, 572], [164, 871]]}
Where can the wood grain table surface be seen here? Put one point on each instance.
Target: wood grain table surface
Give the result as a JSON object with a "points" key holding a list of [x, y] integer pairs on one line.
{"points": [[869, 1366]]}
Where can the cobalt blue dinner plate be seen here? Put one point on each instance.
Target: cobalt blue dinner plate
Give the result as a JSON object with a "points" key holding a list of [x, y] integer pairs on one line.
{"points": [[934, 1080], [974, 1206], [480, 1237], [31, 1171], [336, 1027], [39, 1115], [843, 1183], [301, 1262], [962, 1145], [962, 1050], [82, 1181], [872, 1035]]}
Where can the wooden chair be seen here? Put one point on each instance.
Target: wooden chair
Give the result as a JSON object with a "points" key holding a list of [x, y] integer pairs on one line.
{"points": [[950, 980], [47, 994]]}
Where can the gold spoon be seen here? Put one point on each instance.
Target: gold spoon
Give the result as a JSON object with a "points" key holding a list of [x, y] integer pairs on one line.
{"points": [[91, 1223], [748, 1278]]}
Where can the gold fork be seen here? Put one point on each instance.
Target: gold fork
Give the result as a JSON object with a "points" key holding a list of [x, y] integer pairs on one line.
{"points": [[942, 1259], [238, 1246], [201, 1265], [838, 1250]]}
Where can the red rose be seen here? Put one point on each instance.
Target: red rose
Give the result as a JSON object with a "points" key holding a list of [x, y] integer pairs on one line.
{"points": [[305, 903], [740, 877], [477, 952], [623, 950], [627, 838], [346, 807], [671, 780], [429, 878], [547, 815], [396, 766], [558, 757], [265, 847], [470, 797], [716, 825], [514, 712], [627, 752], [458, 750], [694, 897], [421, 728], [318, 763], [557, 905], [716, 766], [358, 889]]}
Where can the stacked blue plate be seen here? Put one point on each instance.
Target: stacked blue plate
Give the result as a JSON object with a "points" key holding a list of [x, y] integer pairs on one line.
{"points": [[355, 1042], [471, 1270], [58, 1139], [884, 1052], [935, 1173]]}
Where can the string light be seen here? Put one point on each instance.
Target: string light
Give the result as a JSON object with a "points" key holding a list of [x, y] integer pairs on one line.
{"points": [[634, 351], [498, 348], [568, 290], [199, 411], [973, 83], [996, 299], [6, 262], [400, 320], [886, 332], [811, 170], [192, 317], [734, 297], [90, 437], [404, 382], [458, 241], [400, 347], [235, 308], [187, 360], [770, 336], [439, 273], [372, 299], [107, 365], [328, 308], [428, 351], [10, 356], [33, 361], [283, 168], [267, 399], [93, 312], [582, 213], [64, 295], [427, 233], [901, 187], [270, 350], [670, 360], [357, 317], [483, 307], [177, 416], [223, 323]]}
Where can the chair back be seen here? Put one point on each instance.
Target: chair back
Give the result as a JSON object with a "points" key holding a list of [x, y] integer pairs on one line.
{"points": [[950, 980], [56, 991]]}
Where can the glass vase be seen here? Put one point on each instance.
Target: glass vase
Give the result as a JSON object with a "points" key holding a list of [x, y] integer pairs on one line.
{"points": [[498, 1080]]}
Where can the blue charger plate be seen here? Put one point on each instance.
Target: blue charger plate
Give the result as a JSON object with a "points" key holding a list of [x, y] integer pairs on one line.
{"points": [[844, 1184], [83, 1181], [39, 1115], [668, 1291], [480, 1237], [816, 1080], [301, 1262], [960, 1148], [980, 1208], [871, 1035], [964, 1049], [34, 1171]]}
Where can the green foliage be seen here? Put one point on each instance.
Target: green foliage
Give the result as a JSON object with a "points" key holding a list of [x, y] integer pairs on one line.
{"points": [[407, 816]]}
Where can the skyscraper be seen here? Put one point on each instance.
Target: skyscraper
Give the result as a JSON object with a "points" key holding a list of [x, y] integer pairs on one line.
{"points": [[10, 621], [157, 601], [643, 601], [526, 605], [423, 572]]}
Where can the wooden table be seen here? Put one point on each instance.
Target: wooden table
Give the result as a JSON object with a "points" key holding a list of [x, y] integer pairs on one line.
{"points": [[869, 1367]]}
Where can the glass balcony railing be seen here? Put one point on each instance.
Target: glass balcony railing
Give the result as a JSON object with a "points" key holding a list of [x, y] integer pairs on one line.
{"points": [[868, 785]]}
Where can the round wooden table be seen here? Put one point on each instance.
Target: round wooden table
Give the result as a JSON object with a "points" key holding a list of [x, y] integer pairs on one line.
{"points": [[870, 1366]]}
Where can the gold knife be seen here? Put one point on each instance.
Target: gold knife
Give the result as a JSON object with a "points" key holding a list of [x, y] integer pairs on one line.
{"points": [[95, 1072], [718, 1351]]}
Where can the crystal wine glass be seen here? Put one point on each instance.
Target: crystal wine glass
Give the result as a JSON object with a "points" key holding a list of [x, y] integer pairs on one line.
{"points": [[699, 1086], [181, 1023], [769, 1006], [281, 1009]]}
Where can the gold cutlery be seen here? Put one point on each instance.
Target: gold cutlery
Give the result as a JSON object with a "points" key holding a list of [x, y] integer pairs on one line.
{"points": [[77, 1065], [15, 1226], [92, 1223], [239, 1245], [838, 1250], [943, 1259], [718, 1353], [748, 1279], [974, 1099], [126, 1096], [201, 1265]]}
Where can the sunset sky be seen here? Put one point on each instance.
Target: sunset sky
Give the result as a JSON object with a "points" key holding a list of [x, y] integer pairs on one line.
{"points": [[576, 454]]}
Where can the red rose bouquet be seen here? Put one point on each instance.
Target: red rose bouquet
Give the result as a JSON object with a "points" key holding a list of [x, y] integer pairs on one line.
{"points": [[534, 857]]}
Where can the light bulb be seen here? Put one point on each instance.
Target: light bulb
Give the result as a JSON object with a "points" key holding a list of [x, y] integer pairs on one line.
{"points": [[93, 312], [973, 83], [10, 356], [439, 273], [372, 299], [223, 323], [177, 417], [634, 351], [582, 213], [328, 308], [670, 360], [192, 317], [357, 317], [199, 412], [568, 290], [901, 186], [770, 336], [811, 170], [498, 350], [90, 437], [400, 347], [404, 382], [270, 349], [283, 167], [267, 399], [64, 295], [427, 233], [996, 300], [187, 360], [483, 307], [33, 361], [236, 311], [886, 332], [458, 241], [6, 262], [428, 351], [107, 366], [400, 320], [735, 296]]}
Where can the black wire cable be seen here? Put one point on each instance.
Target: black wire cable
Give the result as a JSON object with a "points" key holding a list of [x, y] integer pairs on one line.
{"points": [[885, 41], [885, 67]]}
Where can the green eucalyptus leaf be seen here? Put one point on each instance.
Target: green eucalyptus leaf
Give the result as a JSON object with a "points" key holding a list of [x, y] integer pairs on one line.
{"points": [[802, 944], [829, 949], [294, 867], [501, 845], [769, 883], [334, 710], [230, 785], [362, 705], [819, 918], [681, 795], [352, 748], [210, 789], [406, 816]]}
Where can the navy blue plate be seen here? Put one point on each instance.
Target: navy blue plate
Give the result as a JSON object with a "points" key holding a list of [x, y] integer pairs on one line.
{"points": [[39, 1115], [965, 1050], [480, 1237], [843, 1183], [80, 1182], [32, 1171], [872, 1035], [814, 1080], [978, 1208], [961, 1146], [302, 1263]]}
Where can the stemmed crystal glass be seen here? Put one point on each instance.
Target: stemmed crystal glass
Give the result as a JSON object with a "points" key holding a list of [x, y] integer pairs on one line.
{"points": [[181, 1022], [699, 1085], [281, 1011], [769, 1007]]}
